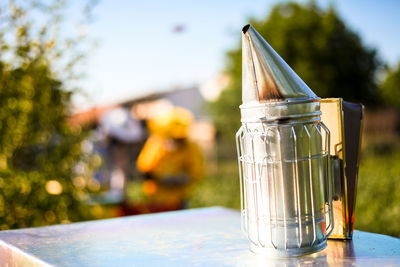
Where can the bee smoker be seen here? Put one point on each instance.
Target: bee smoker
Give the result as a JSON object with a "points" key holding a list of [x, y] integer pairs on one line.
{"points": [[294, 191]]}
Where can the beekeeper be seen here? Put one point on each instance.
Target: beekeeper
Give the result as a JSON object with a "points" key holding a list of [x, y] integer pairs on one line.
{"points": [[171, 161]]}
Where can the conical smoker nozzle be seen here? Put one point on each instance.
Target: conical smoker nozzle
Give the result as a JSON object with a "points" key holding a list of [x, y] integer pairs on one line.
{"points": [[266, 76]]}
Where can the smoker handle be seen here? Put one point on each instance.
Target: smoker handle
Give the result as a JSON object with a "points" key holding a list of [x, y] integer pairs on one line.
{"points": [[336, 177], [330, 176], [330, 193]]}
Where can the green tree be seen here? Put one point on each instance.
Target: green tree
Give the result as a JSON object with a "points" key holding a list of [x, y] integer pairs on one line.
{"points": [[316, 43], [390, 88], [38, 148]]}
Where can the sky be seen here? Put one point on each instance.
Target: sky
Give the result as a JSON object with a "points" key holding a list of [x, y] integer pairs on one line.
{"points": [[155, 45]]}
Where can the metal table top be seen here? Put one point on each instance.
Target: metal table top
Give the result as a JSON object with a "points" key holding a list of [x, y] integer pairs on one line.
{"points": [[209, 236]]}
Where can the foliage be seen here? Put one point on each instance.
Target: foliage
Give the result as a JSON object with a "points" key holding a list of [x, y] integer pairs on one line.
{"points": [[316, 43], [390, 88], [38, 148]]}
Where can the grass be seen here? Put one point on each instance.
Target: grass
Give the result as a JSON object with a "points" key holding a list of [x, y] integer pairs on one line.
{"points": [[378, 192]]}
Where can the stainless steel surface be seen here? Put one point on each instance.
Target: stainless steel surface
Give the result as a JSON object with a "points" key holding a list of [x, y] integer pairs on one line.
{"points": [[286, 189], [202, 237], [271, 90], [305, 110], [283, 154], [266, 76]]}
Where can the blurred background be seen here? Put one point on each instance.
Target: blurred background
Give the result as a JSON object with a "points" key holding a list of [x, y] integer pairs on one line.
{"points": [[113, 108]]}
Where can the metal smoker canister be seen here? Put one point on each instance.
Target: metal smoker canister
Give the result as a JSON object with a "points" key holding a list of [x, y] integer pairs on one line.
{"points": [[283, 150]]}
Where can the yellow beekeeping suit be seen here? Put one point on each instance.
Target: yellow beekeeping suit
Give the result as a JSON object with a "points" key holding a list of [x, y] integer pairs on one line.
{"points": [[173, 162]]}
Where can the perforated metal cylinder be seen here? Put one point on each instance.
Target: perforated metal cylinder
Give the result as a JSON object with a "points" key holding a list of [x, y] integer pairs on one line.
{"points": [[286, 186]]}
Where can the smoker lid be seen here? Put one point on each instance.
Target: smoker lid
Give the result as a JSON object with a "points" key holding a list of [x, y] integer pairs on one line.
{"points": [[266, 76]]}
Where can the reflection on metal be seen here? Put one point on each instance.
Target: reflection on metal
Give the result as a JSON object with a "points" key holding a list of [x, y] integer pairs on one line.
{"points": [[201, 237], [345, 121], [266, 76], [286, 187], [283, 151]]}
